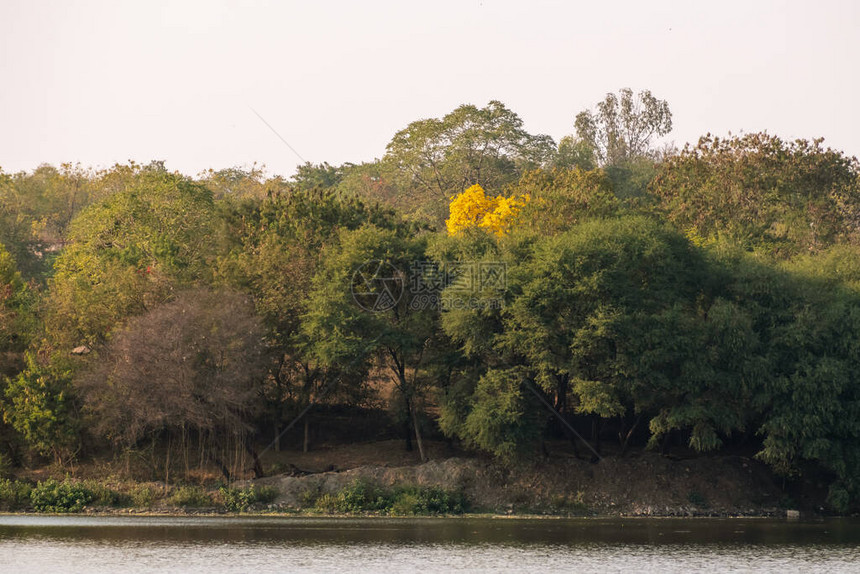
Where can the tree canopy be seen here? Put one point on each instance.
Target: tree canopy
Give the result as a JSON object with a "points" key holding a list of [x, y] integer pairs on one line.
{"points": [[477, 284], [622, 126]]}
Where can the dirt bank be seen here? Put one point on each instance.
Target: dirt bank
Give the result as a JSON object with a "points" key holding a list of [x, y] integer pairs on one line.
{"points": [[639, 484]]}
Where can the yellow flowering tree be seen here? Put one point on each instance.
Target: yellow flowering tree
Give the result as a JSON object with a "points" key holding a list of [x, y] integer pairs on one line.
{"points": [[473, 208]]}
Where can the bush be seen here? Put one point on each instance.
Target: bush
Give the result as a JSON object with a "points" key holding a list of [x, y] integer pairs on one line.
{"points": [[191, 496], [696, 498], [310, 496], [428, 500], [142, 495], [406, 504], [240, 499], [365, 496], [327, 503], [66, 496], [362, 496], [5, 466], [14, 495], [104, 495]]}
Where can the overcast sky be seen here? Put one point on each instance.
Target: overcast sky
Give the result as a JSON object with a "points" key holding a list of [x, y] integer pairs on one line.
{"points": [[99, 82]]}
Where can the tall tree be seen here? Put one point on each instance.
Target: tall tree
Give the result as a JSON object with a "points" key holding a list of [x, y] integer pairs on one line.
{"points": [[436, 158], [358, 311], [764, 193], [278, 250], [622, 126], [16, 317], [127, 254]]}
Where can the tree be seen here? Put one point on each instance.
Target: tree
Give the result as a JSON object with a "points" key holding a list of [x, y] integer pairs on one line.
{"points": [[310, 176], [574, 152], [606, 320], [276, 253], [127, 254], [35, 212], [369, 265], [784, 198], [473, 208], [562, 198], [237, 182], [40, 404], [436, 158], [622, 126], [16, 317], [192, 366]]}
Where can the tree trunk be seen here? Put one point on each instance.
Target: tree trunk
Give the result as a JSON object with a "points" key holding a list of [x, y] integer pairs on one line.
{"points": [[306, 439], [418, 437], [664, 446], [407, 431], [625, 437], [595, 433], [258, 465], [563, 383], [167, 463]]}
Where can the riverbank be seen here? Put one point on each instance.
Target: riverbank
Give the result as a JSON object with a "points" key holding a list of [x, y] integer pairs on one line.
{"points": [[641, 484], [382, 479]]}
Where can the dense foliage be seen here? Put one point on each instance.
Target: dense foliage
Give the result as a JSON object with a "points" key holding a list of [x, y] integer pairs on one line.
{"points": [[708, 299]]}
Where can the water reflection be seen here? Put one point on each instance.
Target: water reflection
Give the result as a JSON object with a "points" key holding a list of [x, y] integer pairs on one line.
{"points": [[215, 545]]}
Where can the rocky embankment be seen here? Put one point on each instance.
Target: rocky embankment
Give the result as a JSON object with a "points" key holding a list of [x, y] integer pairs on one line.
{"points": [[641, 484]]}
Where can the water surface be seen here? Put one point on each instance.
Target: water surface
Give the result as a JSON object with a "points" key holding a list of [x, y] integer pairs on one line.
{"points": [[215, 545]]}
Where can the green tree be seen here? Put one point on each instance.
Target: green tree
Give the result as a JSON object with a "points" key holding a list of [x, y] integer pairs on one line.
{"points": [[616, 320], [41, 405], [310, 176], [623, 125], [401, 339], [562, 198], [437, 158], [574, 152], [237, 182], [17, 323], [277, 251], [127, 254], [763, 193], [35, 212]]}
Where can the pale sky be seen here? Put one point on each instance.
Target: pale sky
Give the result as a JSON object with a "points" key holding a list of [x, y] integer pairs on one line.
{"points": [[99, 82]]}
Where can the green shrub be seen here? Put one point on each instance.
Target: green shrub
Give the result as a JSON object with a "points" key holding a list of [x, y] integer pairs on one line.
{"points": [[143, 495], [14, 495], [66, 496], [308, 497], [406, 504], [5, 466], [104, 495], [240, 499], [839, 499], [189, 496], [428, 500], [365, 496], [266, 494], [698, 499], [327, 503]]}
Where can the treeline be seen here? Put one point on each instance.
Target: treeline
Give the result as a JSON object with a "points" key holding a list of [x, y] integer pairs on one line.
{"points": [[707, 296]]}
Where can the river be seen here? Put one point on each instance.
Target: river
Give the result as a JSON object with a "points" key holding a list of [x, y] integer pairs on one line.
{"points": [[260, 545]]}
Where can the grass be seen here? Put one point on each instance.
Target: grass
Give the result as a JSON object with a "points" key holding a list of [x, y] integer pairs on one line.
{"points": [[363, 496], [69, 496], [242, 499]]}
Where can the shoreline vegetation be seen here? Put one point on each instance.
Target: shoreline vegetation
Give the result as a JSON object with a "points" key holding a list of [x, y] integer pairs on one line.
{"points": [[445, 487], [482, 318]]}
